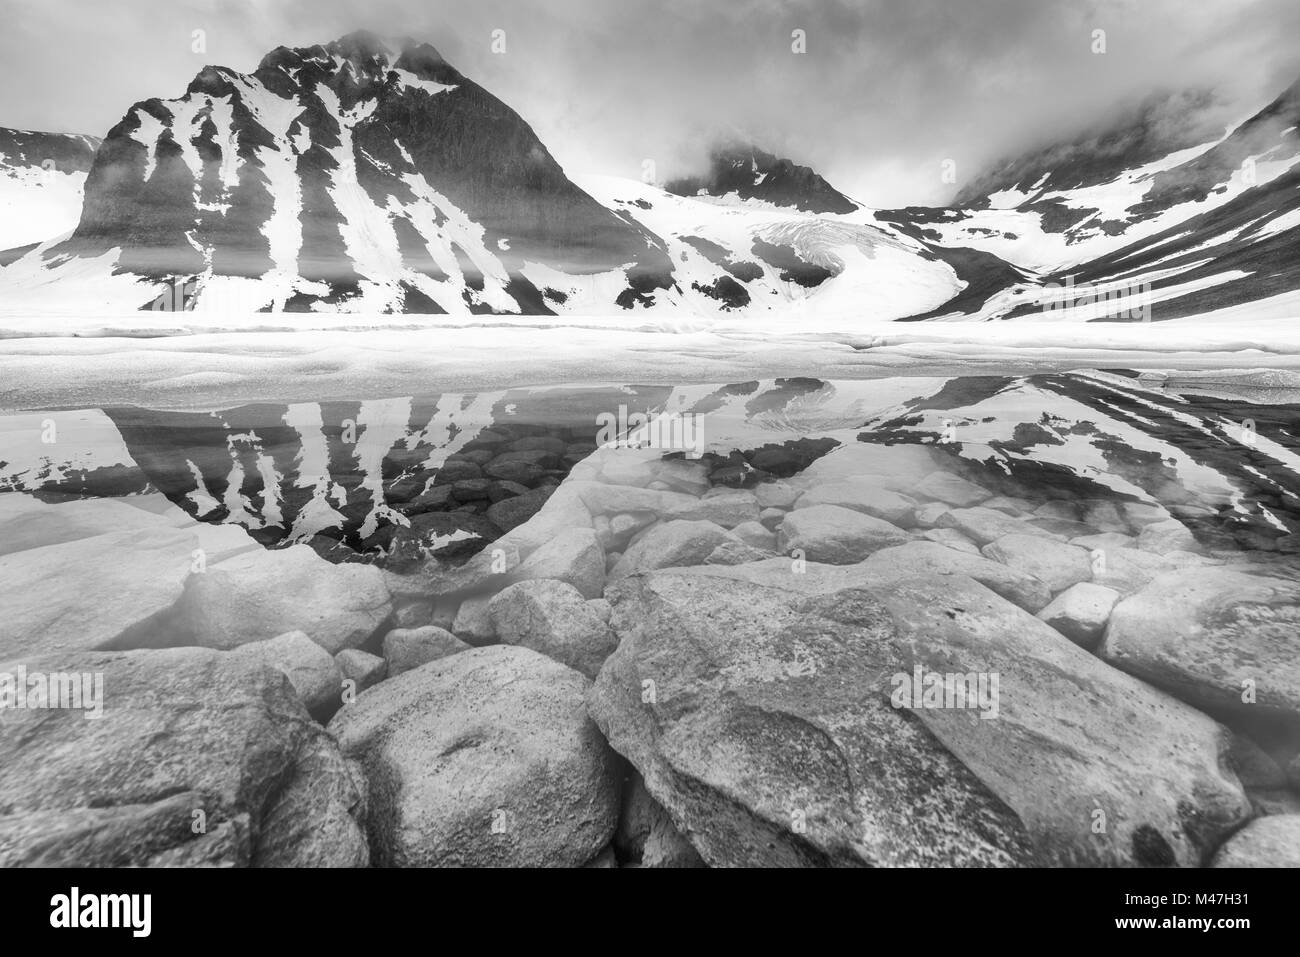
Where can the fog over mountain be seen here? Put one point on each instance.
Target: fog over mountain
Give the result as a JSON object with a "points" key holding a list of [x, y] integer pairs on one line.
{"points": [[885, 92]]}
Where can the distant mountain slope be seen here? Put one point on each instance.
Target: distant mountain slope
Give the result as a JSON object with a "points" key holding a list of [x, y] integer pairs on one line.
{"points": [[747, 255], [365, 174], [41, 181], [370, 176], [1158, 126], [1066, 204], [1195, 230]]}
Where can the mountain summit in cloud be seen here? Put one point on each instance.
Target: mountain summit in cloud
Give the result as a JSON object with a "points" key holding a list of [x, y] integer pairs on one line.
{"points": [[366, 173], [751, 173]]}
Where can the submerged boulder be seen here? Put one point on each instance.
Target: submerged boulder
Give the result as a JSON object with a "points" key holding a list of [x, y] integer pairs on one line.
{"points": [[1056, 565], [109, 591], [1217, 636], [836, 535], [262, 594], [668, 544]]}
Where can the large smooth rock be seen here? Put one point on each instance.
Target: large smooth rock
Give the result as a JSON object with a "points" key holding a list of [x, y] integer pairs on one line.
{"points": [[27, 522], [985, 525], [1141, 514], [1129, 569], [1081, 612], [892, 507], [107, 591], [1009, 505], [200, 758], [916, 559], [760, 720], [313, 673], [485, 758], [1104, 515], [1272, 841], [266, 593], [684, 475], [602, 499], [669, 544], [836, 535], [727, 507], [755, 535], [1167, 536], [572, 556], [1210, 634], [951, 538], [553, 618], [623, 526], [931, 559], [407, 648], [897, 467], [1072, 737], [1056, 565], [952, 490]]}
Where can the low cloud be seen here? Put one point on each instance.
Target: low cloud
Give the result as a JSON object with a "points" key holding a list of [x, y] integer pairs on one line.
{"points": [[885, 92]]}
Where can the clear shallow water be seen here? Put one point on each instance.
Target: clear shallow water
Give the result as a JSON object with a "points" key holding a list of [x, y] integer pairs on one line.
{"points": [[383, 480], [1081, 499]]}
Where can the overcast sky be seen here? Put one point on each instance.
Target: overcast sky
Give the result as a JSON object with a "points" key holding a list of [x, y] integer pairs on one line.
{"points": [[885, 92]]}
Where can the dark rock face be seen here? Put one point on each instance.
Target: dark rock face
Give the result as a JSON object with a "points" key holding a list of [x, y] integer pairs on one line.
{"points": [[1194, 181], [456, 188], [793, 267], [1265, 253], [752, 173], [727, 291], [1233, 195], [24, 149]]}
